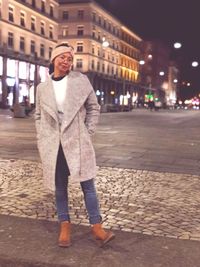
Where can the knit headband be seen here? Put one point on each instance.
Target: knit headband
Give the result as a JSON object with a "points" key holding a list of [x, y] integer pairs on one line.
{"points": [[60, 50]]}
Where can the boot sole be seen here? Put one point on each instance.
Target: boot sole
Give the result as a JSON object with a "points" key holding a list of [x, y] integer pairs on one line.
{"points": [[106, 241], [64, 244]]}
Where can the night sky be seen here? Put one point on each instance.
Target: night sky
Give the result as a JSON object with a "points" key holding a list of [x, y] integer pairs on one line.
{"points": [[169, 21]]}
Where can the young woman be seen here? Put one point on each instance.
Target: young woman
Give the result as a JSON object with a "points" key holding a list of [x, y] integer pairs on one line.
{"points": [[66, 117]]}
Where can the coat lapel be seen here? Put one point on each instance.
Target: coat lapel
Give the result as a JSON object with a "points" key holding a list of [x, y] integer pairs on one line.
{"points": [[77, 93], [49, 102]]}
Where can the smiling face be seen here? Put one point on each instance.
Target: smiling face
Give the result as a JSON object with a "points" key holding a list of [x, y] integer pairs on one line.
{"points": [[62, 64]]}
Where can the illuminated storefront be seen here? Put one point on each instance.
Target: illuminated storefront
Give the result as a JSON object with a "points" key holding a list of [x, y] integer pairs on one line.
{"points": [[20, 82]]}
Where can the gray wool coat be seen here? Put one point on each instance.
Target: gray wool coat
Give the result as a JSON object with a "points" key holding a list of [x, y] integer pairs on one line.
{"points": [[81, 113]]}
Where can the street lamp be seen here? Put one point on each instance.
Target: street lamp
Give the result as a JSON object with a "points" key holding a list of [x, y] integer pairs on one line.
{"points": [[177, 45], [161, 73], [141, 62], [195, 64]]}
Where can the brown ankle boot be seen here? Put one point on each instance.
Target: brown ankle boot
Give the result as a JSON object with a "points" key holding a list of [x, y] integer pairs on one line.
{"points": [[100, 234], [64, 237]]}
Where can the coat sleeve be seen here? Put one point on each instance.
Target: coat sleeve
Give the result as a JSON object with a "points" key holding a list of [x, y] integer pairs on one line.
{"points": [[92, 110], [37, 114]]}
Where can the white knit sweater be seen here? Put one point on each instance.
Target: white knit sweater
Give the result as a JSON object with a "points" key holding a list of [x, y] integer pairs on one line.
{"points": [[60, 89]]}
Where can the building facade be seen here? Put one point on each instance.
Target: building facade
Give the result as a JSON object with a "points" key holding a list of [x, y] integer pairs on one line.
{"points": [[158, 74], [28, 32], [105, 49]]}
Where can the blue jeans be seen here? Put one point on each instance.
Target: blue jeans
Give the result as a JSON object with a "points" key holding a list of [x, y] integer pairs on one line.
{"points": [[61, 193]]}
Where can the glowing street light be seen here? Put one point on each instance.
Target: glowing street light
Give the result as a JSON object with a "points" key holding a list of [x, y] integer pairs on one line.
{"points": [[161, 73], [141, 62], [195, 64], [177, 45]]}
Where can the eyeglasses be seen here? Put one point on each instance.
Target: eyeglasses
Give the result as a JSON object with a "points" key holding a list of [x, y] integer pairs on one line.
{"points": [[64, 58]]}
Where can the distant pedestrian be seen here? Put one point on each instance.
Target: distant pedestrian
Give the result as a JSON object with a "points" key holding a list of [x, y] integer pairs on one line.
{"points": [[66, 116], [151, 105]]}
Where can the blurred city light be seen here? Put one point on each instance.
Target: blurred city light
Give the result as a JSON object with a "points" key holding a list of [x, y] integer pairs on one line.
{"points": [[177, 45], [161, 73], [104, 42], [195, 64], [141, 62]]}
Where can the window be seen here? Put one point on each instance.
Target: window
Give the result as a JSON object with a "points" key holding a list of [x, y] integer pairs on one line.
{"points": [[79, 47], [99, 36], [22, 19], [94, 17], [22, 70], [50, 51], [64, 31], [65, 15], [43, 6], [80, 14], [10, 39], [80, 30], [22, 44], [51, 11], [32, 23], [98, 65], [93, 50], [42, 26], [99, 20], [92, 65], [79, 63], [103, 67], [42, 50], [11, 65], [32, 47], [11, 14], [94, 31], [33, 3], [51, 32], [108, 69]]}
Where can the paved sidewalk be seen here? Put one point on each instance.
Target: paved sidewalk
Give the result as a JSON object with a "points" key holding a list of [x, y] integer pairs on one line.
{"points": [[151, 203]]}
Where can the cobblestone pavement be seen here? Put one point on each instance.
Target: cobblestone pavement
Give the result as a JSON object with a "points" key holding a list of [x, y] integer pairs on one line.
{"points": [[152, 203]]}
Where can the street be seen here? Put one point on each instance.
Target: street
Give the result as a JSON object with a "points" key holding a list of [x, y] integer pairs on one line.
{"points": [[163, 141]]}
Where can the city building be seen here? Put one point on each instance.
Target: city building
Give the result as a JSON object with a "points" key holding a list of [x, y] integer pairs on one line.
{"points": [[28, 32], [105, 49], [158, 74]]}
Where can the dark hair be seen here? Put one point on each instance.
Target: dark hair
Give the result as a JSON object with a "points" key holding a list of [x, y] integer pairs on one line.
{"points": [[51, 68], [51, 65]]}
